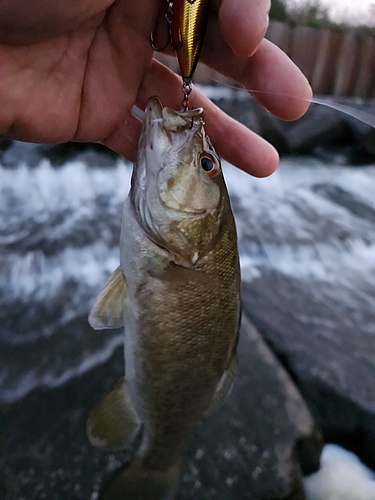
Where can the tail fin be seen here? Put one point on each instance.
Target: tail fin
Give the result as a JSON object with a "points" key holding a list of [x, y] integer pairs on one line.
{"points": [[140, 483]]}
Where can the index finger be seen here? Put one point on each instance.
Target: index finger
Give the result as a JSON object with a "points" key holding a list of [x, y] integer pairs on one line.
{"points": [[269, 75]]}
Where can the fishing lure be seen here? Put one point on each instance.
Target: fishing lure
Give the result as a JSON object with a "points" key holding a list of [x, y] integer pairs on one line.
{"points": [[187, 21]]}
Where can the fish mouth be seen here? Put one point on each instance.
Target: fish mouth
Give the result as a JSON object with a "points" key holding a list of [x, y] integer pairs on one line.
{"points": [[169, 119], [154, 110]]}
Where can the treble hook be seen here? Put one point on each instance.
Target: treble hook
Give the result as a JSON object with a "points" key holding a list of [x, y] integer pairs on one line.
{"points": [[170, 41]]}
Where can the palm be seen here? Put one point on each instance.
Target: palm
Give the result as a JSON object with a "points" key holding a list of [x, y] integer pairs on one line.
{"points": [[72, 70], [81, 85]]}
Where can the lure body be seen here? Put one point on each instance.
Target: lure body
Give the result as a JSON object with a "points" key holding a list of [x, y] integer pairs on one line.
{"points": [[187, 33]]}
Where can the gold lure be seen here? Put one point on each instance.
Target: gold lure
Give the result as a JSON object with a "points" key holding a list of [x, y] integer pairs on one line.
{"points": [[187, 20]]}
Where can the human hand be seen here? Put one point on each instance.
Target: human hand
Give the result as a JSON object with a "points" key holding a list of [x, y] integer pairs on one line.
{"points": [[72, 71]]}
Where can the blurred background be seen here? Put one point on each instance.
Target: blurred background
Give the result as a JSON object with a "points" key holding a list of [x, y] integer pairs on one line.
{"points": [[307, 246]]}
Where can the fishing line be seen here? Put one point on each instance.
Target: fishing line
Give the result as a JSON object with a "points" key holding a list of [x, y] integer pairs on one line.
{"points": [[358, 114]]}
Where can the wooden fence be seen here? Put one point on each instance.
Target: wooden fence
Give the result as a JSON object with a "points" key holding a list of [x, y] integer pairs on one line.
{"points": [[336, 63]]}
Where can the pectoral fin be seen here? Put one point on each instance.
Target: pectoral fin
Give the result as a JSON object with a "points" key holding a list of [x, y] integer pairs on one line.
{"points": [[109, 308], [223, 388], [113, 423]]}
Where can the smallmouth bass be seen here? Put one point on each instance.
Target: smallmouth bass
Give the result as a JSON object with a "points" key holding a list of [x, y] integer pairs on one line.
{"points": [[177, 294]]}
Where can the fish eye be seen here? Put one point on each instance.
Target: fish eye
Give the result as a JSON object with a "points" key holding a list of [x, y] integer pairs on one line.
{"points": [[209, 164]]}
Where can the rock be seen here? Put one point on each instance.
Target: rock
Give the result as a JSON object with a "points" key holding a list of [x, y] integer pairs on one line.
{"points": [[319, 125], [44, 450], [364, 134], [261, 441], [273, 130], [325, 349], [15, 153], [334, 136], [243, 107], [5, 144], [255, 447], [246, 110]]}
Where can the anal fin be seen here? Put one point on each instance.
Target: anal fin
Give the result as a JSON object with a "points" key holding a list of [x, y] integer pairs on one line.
{"points": [[223, 388], [113, 423]]}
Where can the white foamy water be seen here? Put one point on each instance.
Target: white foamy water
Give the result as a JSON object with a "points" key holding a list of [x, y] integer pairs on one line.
{"points": [[59, 231], [293, 226], [342, 476]]}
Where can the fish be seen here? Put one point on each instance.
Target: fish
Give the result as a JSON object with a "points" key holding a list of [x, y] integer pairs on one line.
{"points": [[177, 295]]}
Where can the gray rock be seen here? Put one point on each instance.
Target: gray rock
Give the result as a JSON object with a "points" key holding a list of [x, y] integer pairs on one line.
{"points": [[44, 450], [273, 130], [262, 439], [319, 125], [246, 110], [364, 135], [328, 349]]}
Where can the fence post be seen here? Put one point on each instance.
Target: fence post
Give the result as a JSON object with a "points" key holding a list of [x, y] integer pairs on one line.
{"points": [[365, 67], [304, 49], [280, 34], [323, 76], [347, 64]]}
